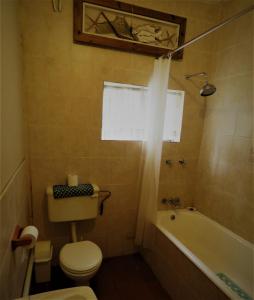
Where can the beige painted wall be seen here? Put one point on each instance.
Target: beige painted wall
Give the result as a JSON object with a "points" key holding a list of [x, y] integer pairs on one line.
{"points": [[63, 90], [13, 184], [225, 174]]}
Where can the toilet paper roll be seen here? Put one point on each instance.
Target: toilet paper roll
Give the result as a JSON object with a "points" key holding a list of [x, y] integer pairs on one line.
{"points": [[32, 233], [72, 180]]}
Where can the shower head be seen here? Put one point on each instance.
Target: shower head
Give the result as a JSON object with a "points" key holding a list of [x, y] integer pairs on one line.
{"points": [[208, 89]]}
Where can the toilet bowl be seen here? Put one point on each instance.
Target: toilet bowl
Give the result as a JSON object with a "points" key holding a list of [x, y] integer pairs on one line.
{"points": [[80, 261]]}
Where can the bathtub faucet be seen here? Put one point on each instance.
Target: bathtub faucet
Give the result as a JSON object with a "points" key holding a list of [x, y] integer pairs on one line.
{"points": [[175, 202]]}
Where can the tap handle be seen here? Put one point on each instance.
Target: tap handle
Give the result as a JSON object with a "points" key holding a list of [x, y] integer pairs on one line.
{"points": [[168, 162]]}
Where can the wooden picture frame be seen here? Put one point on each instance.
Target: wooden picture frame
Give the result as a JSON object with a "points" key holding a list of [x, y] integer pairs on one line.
{"points": [[110, 24]]}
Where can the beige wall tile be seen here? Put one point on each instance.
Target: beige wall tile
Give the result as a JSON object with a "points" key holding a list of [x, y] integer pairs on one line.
{"points": [[14, 186], [225, 172], [64, 86], [13, 211]]}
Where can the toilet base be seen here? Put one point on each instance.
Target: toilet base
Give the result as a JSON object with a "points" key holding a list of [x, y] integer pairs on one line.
{"points": [[81, 282]]}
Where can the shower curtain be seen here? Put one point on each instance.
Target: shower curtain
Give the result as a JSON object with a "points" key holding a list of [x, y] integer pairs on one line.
{"points": [[157, 95]]}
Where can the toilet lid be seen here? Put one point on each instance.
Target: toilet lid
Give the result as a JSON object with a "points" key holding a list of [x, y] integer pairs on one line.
{"points": [[80, 256]]}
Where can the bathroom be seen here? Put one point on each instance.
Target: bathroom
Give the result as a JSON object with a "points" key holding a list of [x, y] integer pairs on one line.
{"points": [[53, 109]]}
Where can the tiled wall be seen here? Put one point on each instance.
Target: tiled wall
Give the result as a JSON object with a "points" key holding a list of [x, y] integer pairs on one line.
{"points": [[63, 90], [225, 177], [178, 180], [13, 211], [14, 191]]}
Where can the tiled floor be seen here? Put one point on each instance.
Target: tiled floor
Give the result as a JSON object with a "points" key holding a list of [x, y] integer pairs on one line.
{"points": [[119, 278]]}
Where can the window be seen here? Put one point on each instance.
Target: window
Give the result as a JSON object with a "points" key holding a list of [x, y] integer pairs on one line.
{"points": [[124, 110]]}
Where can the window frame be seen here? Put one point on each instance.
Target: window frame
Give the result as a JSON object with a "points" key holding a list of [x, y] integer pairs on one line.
{"points": [[139, 87]]}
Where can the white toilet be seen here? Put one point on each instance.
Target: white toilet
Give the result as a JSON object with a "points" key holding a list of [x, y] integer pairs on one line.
{"points": [[78, 260]]}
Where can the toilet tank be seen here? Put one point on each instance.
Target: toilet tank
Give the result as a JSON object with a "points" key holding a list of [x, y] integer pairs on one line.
{"points": [[73, 208]]}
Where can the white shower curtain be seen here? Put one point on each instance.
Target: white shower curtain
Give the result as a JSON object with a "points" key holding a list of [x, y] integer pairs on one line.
{"points": [[157, 97]]}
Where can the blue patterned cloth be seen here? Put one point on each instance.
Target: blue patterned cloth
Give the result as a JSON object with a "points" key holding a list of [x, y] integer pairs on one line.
{"points": [[65, 191], [234, 287]]}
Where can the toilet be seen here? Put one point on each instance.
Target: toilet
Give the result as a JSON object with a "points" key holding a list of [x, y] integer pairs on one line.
{"points": [[79, 260]]}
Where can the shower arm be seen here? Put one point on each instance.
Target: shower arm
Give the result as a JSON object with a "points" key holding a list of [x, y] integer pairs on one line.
{"points": [[212, 29]]}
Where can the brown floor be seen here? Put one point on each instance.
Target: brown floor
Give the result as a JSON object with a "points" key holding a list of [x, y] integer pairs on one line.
{"points": [[119, 278], [125, 278]]}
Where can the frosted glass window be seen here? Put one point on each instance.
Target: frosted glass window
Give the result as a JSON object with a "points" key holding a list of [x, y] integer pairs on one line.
{"points": [[124, 111]]}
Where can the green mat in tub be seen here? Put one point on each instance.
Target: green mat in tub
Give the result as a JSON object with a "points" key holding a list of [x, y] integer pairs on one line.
{"points": [[234, 287]]}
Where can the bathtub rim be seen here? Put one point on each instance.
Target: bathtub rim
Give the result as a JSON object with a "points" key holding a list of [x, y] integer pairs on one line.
{"points": [[193, 258], [215, 223]]}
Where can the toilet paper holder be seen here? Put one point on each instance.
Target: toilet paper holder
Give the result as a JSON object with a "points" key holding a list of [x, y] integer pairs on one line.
{"points": [[17, 241]]}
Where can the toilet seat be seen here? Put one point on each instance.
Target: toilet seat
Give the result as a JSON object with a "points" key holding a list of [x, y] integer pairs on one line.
{"points": [[78, 273], [80, 258], [79, 276]]}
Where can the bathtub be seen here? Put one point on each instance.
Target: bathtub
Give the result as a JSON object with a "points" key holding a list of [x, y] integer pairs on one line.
{"points": [[210, 247]]}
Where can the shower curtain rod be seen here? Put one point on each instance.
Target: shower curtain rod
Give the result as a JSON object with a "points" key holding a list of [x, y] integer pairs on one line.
{"points": [[212, 29]]}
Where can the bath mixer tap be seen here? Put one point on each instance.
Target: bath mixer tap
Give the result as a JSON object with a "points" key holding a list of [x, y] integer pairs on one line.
{"points": [[174, 202]]}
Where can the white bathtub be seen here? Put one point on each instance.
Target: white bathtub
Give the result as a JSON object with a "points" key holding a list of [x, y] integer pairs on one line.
{"points": [[211, 247]]}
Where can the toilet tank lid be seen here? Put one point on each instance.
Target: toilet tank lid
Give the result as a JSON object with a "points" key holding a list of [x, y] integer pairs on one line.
{"points": [[49, 189]]}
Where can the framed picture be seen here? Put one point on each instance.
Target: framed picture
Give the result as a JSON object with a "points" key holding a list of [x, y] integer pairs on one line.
{"points": [[119, 25]]}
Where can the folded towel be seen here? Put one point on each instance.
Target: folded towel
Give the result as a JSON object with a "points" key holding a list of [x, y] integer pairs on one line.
{"points": [[233, 286], [65, 191]]}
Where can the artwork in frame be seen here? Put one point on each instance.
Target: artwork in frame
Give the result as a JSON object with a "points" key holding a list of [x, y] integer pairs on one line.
{"points": [[119, 25]]}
